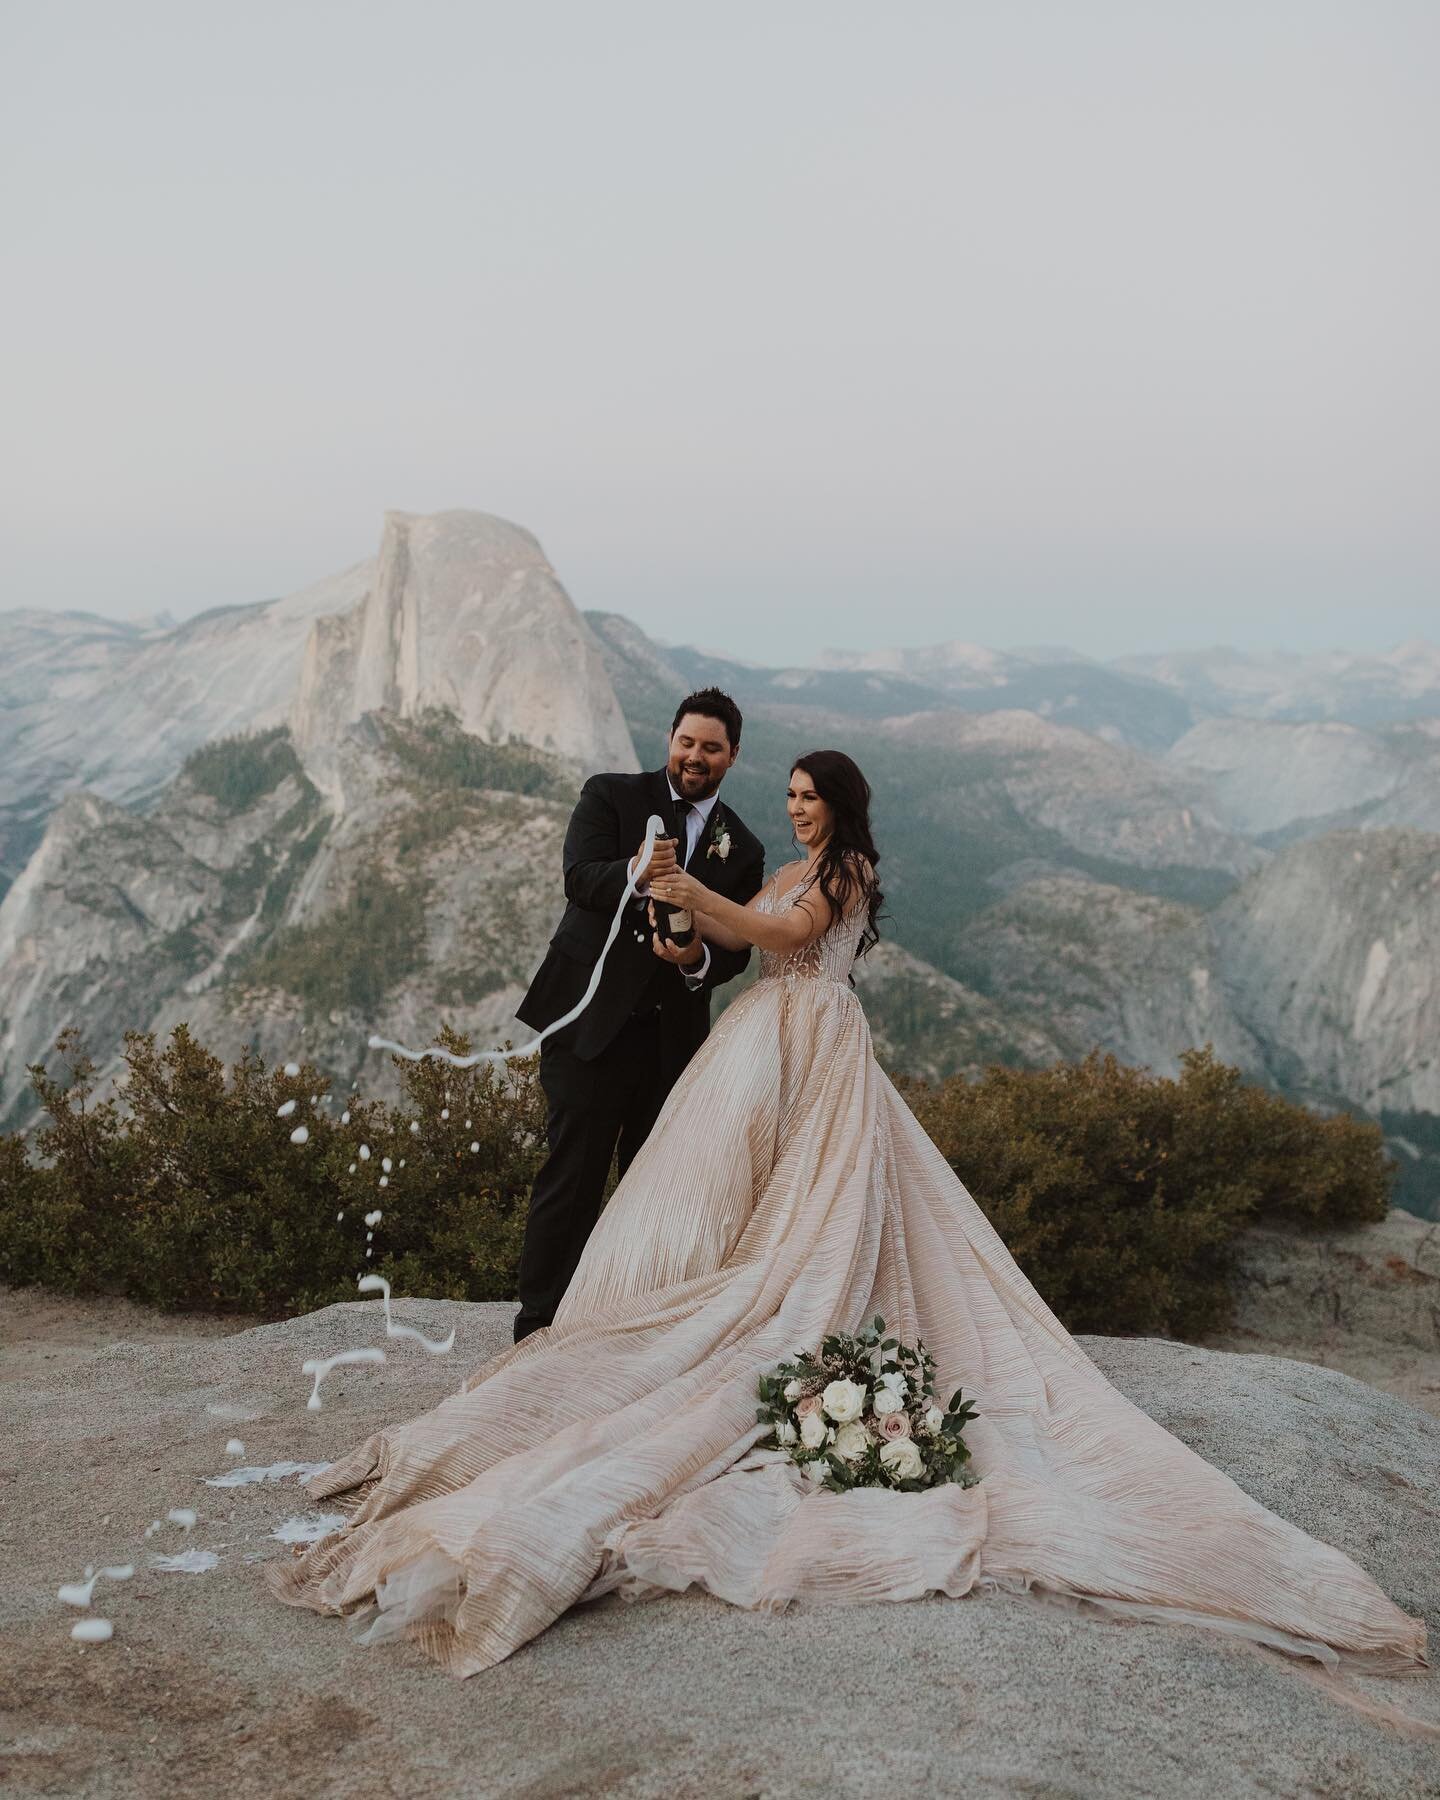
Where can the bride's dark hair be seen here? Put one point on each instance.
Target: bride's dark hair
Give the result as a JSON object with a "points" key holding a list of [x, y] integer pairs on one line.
{"points": [[839, 869]]}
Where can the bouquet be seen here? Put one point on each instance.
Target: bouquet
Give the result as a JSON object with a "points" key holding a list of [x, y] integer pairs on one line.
{"points": [[862, 1413]]}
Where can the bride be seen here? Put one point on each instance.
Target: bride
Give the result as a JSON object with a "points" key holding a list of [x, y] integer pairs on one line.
{"points": [[787, 1192]]}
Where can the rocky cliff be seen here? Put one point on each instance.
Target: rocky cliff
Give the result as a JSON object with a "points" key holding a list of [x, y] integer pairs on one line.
{"points": [[1102, 799], [276, 919], [386, 860], [1029, 1699], [1330, 956], [463, 614], [118, 711], [1320, 972], [925, 1023], [1275, 781], [458, 610], [1365, 1300], [390, 859], [1365, 689]]}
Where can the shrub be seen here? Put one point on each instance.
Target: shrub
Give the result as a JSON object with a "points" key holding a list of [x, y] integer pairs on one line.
{"points": [[237, 771], [1121, 1194], [197, 1198], [353, 956], [436, 751]]}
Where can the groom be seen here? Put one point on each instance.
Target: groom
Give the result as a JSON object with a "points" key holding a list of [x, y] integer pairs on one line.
{"points": [[606, 1075]]}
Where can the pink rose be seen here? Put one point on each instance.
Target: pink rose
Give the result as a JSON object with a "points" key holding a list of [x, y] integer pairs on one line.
{"points": [[894, 1425], [804, 1408]]}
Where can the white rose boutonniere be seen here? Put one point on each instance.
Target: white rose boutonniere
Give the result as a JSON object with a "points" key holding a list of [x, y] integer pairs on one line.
{"points": [[719, 844]]}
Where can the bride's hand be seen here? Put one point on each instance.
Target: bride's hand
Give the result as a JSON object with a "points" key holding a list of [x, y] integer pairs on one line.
{"points": [[680, 889]]}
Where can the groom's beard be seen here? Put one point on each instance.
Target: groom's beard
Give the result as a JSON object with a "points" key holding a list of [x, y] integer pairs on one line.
{"points": [[690, 787]]}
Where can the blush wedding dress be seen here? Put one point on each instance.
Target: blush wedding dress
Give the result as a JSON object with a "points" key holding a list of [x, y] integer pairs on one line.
{"points": [[785, 1192]]}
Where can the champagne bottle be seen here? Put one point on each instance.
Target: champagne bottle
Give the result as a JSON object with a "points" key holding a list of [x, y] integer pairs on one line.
{"points": [[673, 923]]}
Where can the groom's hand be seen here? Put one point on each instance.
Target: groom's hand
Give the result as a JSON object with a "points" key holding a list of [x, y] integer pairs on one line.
{"points": [[661, 863], [672, 953]]}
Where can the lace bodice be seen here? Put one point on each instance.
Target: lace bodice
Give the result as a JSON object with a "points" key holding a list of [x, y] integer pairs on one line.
{"points": [[828, 957]]}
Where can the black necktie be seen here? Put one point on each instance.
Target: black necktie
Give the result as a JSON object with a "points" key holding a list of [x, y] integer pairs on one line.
{"points": [[682, 832]]}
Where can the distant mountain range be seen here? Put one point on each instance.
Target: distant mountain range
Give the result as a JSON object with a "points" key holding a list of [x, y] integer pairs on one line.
{"points": [[1148, 702], [295, 822]]}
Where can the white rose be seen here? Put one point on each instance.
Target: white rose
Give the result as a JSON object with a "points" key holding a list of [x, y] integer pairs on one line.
{"points": [[844, 1401], [887, 1401], [722, 849], [902, 1458], [786, 1434], [816, 1471], [934, 1419], [794, 1389], [812, 1431], [852, 1441]]}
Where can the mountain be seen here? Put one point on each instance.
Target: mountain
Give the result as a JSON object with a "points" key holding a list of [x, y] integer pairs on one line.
{"points": [[1329, 957], [1146, 701], [116, 710], [1100, 799], [930, 1025], [1058, 685], [1398, 684], [249, 906], [1050, 890], [1276, 781], [1095, 965], [455, 604], [463, 614], [295, 823], [967, 805], [1318, 975], [380, 854]]}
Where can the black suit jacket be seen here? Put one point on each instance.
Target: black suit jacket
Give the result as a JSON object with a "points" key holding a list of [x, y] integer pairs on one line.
{"points": [[606, 829]]}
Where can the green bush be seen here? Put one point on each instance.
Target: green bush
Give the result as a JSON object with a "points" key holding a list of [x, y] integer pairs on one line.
{"points": [[195, 1197], [1121, 1194], [436, 751], [237, 771], [353, 956]]}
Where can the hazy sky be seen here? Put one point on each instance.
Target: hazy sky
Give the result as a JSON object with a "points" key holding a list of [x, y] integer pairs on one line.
{"points": [[782, 325]]}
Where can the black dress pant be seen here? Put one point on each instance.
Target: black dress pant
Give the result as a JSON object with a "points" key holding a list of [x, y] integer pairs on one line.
{"points": [[596, 1109]]}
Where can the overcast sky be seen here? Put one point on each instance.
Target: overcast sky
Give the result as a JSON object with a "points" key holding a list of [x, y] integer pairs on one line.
{"points": [[781, 325]]}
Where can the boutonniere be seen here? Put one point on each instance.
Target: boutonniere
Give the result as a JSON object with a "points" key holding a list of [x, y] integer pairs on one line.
{"points": [[719, 844]]}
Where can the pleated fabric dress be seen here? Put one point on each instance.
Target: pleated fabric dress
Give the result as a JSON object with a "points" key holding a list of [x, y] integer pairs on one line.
{"points": [[786, 1192]]}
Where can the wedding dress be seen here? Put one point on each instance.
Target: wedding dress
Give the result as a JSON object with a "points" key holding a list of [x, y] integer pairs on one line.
{"points": [[787, 1191]]}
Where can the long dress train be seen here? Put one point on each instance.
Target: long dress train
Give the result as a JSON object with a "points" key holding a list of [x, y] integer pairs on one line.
{"points": [[787, 1191]]}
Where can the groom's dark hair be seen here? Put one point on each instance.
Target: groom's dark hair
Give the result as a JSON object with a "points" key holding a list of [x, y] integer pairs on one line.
{"points": [[711, 703]]}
